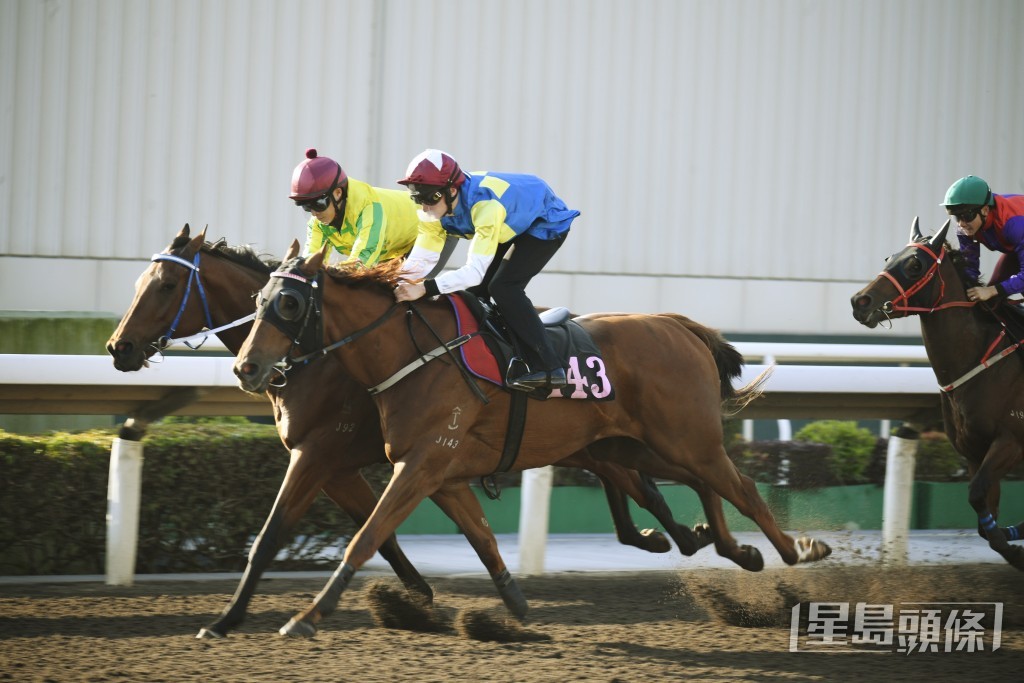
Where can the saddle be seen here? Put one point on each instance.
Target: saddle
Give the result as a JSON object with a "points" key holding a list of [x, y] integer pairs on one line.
{"points": [[498, 358]]}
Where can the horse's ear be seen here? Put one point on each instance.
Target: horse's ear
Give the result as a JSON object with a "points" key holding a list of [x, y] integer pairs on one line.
{"points": [[183, 233], [940, 237], [915, 230], [195, 244], [203, 233], [293, 251], [316, 260]]}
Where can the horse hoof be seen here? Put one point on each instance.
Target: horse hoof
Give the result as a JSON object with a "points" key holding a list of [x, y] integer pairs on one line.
{"points": [[750, 558], [654, 541], [209, 633], [298, 629], [811, 550], [703, 534]]}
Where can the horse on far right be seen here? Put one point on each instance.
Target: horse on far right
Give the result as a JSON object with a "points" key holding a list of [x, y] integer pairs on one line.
{"points": [[972, 347]]}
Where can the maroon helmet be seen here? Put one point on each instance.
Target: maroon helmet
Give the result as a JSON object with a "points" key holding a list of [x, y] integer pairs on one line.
{"points": [[433, 168], [316, 176]]}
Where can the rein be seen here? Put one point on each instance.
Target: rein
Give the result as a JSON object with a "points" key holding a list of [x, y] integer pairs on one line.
{"points": [[313, 309], [987, 359], [424, 358], [350, 338]]}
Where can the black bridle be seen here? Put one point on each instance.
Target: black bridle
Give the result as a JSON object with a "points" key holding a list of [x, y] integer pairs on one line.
{"points": [[293, 303]]}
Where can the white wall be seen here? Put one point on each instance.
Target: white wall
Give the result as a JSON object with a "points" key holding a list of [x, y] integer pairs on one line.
{"points": [[748, 164]]}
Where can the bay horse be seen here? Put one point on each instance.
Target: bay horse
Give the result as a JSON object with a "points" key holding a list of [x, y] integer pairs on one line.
{"points": [[982, 409], [326, 421], [672, 379]]}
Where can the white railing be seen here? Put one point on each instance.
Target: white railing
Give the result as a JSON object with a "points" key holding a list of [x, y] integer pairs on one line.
{"points": [[80, 385]]}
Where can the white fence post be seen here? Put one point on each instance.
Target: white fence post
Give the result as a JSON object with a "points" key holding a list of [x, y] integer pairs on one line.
{"points": [[124, 490], [898, 495], [534, 508]]}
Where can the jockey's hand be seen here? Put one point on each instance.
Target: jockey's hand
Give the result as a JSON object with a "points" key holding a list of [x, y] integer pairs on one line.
{"points": [[409, 291], [981, 293]]}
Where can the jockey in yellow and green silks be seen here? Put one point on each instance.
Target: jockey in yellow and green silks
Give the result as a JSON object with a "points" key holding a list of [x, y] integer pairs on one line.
{"points": [[361, 222]]}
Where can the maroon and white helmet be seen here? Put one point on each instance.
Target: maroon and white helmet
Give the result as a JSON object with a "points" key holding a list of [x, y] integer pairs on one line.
{"points": [[315, 176], [433, 168]]}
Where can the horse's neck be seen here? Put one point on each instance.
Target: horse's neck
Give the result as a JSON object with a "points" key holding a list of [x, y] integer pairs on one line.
{"points": [[956, 340], [230, 287], [378, 354]]}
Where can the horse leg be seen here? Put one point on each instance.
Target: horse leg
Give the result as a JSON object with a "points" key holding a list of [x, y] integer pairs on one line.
{"points": [[301, 484], [353, 494], [741, 491], [719, 473], [746, 556], [462, 506], [409, 485], [1014, 533], [619, 481], [983, 495], [651, 540], [642, 489]]}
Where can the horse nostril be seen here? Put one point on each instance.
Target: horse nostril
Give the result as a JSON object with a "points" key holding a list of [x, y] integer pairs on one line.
{"points": [[862, 302], [120, 348]]}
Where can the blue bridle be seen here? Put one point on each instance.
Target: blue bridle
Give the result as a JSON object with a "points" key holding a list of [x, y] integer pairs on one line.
{"points": [[166, 340]]}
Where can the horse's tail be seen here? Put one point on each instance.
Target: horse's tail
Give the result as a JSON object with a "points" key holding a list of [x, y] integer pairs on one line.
{"points": [[730, 367]]}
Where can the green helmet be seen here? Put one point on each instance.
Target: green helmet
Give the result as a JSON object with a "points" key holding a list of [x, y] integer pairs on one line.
{"points": [[969, 190]]}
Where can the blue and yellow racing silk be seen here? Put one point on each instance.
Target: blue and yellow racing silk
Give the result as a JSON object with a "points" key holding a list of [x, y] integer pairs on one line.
{"points": [[491, 209], [378, 225]]}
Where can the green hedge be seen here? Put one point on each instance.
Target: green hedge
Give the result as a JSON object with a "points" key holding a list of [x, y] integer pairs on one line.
{"points": [[206, 492], [208, 487]]}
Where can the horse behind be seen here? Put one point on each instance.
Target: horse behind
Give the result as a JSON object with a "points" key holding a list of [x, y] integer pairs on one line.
{"points": [[666, 419], [982, 407], [327, 422]]}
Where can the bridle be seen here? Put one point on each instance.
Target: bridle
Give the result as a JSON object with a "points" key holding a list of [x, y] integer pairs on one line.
{"points": [[296, 311], [900, 304], [303, 324], [166, 340]]}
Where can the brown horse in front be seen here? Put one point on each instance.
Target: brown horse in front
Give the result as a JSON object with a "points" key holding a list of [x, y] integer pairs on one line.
{"points": [[666, 419], [982, 404], [328, 423]]}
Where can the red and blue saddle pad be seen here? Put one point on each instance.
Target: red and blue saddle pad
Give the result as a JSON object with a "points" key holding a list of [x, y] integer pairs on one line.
{"points": [[585, 368]]}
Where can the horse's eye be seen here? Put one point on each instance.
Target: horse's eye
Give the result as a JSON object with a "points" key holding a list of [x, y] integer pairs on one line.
{"points": [[289, 306], [168, 286], [914, 267]]}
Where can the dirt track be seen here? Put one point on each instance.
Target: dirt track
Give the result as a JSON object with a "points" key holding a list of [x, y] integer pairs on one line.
{"points": [[704, 624]]}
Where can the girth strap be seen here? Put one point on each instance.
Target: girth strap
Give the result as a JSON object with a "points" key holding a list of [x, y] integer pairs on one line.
{"points": [[513, 440]]}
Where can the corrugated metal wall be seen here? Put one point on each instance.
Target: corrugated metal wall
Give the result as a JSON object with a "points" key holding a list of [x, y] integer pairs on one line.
{"points": [[776, 150]]}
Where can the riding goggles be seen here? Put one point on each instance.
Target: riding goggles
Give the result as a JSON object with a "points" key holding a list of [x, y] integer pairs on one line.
{"points": [[427, 195], [316, 204], [965, 215]]}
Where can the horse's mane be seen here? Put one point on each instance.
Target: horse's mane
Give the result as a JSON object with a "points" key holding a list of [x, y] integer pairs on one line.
{"points": [[242, 254], [383, 276], [957, 258]]}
